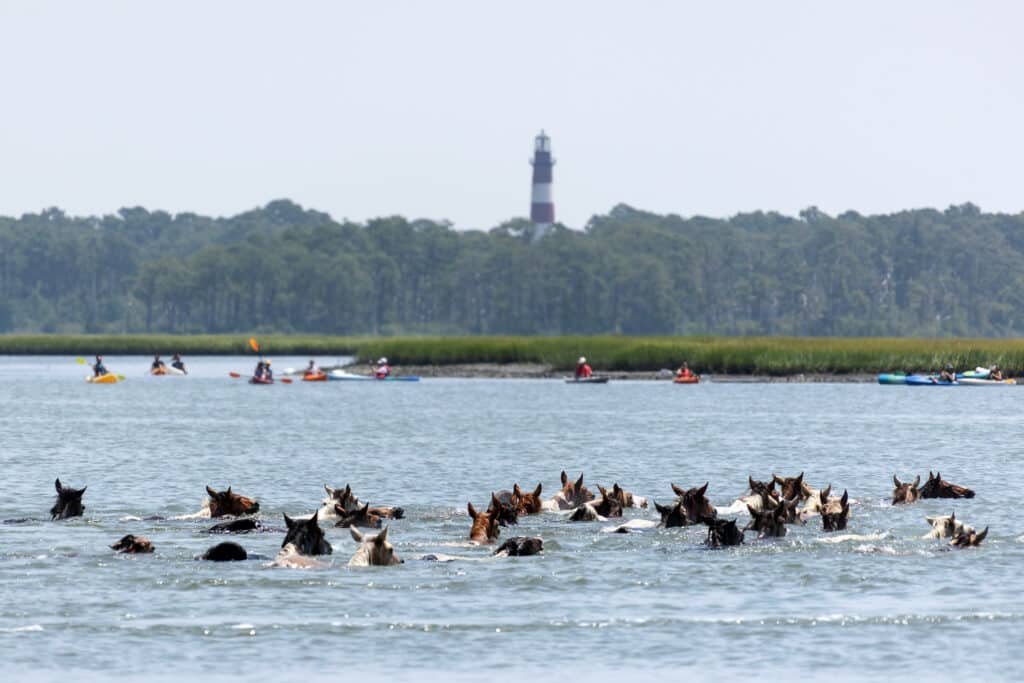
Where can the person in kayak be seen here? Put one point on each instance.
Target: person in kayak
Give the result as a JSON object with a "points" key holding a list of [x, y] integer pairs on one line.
{"points": [[948, 374], [382, 370], [313, 368], [98, 368], [995, 373], [684, 371], [583, 371], [178, 364], [157, 365], [261, 370], [267, 372]]}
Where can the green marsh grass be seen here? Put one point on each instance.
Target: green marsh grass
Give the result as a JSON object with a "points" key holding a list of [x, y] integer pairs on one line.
{"points": [[776, 356]]}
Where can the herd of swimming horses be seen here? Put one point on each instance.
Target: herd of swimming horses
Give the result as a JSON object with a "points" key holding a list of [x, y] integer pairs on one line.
{"points": [[771, 510]]}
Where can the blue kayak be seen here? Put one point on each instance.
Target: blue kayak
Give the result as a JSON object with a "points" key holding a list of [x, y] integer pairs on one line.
{"points": [[927, 381], [337, 375], [892, 378]]}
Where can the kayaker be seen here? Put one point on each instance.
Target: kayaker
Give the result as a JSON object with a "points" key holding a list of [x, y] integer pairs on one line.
{"points": [[583, 371], [157, 364], [313, 369], [995, 373], [382, 370], [948, 374], [178, 364], [98, 368], [684, 371], [267, 372], [261, 370]]}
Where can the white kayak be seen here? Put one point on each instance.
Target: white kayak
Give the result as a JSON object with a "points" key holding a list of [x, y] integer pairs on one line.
{"points": [[340, 375]]}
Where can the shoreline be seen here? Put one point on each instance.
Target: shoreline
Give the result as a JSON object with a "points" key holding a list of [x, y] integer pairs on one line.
{"points": [[541, 371]]}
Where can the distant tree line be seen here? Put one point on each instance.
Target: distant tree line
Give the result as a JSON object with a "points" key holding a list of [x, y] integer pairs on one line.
{"points": [[282, 268]]}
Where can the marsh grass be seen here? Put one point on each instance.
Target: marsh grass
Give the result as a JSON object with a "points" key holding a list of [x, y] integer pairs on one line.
{"points": [[727, 355]]}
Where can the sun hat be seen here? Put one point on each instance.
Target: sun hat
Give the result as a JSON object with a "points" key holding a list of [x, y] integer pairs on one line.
{"points": [[582, 360], [382, 360]]}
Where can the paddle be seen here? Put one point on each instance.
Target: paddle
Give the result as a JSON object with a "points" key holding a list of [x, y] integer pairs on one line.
{"points": [[236, 375]]}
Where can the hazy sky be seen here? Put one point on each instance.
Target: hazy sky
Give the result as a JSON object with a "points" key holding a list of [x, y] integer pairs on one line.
{"points": [[429, 109]]}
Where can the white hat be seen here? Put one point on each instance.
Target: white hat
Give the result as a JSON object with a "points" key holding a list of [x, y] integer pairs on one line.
{"points": [[581, 361], [382, 360]]}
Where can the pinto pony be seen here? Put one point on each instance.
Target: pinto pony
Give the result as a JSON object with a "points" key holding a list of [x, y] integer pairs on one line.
{"points": [[349, 502], [69, 502], [572, 495], [224, 503]]}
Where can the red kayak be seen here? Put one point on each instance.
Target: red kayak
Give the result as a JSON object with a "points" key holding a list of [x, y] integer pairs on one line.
{"points": [[318, 377], [692, 379]]}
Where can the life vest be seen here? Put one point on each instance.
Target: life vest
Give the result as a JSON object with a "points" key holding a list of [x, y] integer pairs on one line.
{"points": [[583, 371]]}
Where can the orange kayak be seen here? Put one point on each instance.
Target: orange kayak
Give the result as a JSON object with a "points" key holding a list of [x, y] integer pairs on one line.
{"points": [[693, 379], [102, 379], [321, 377]]}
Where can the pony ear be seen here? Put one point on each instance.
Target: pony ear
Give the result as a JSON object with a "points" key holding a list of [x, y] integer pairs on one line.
{"points": [[382, 537], [930, 520], [288, 521], [917, 481], [981, 537], [952, 517], [516, 491], [750, 481], [776, 478], [330, 491], [824, 493], [662, 508], [703, 489], [365, 509], [800, 479], [471, 510], [565, 478], [845, 498], [678, 491], [81, 491], [57, 485], [938, 475], [229, 491], [209, 491], [603, 490], [495, 502], [356, 536], [896, 481], [579, 482], [537, 490]]}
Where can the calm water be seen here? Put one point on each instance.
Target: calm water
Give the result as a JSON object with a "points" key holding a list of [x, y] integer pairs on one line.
{"points": [[593, 602]]}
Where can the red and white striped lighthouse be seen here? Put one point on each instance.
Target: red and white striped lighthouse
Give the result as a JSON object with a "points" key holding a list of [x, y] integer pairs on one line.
{"points": [[542, 208]]}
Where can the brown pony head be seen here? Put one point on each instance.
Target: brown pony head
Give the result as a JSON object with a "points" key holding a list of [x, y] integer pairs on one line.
{"points": [[671, 515], [833, 516], [937, 487], [793, 487], [361, 516], [575, 493], [133, 544], [306, 536], [723, 532], [485, 527], [770, 520], [695, 504], [69, 502], [527, 503], [610, 505], [905, 492], [969, 538], [227, 503], [762, 488], [506, 513]]}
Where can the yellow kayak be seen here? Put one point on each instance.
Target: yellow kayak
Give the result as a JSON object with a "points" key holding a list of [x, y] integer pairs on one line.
{"points": [[102, 379]]}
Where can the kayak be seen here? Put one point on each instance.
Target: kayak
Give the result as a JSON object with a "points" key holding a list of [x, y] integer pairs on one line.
{"points": [[102, 379], [892, 378], [260, 380], [927, 381], [975, 382], [338, 375], [321, 377], [158, 372], [692, 379], [587, 380]]}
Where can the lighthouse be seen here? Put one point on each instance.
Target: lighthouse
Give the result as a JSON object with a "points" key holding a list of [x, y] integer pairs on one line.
{"points": [[542, 208]]}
